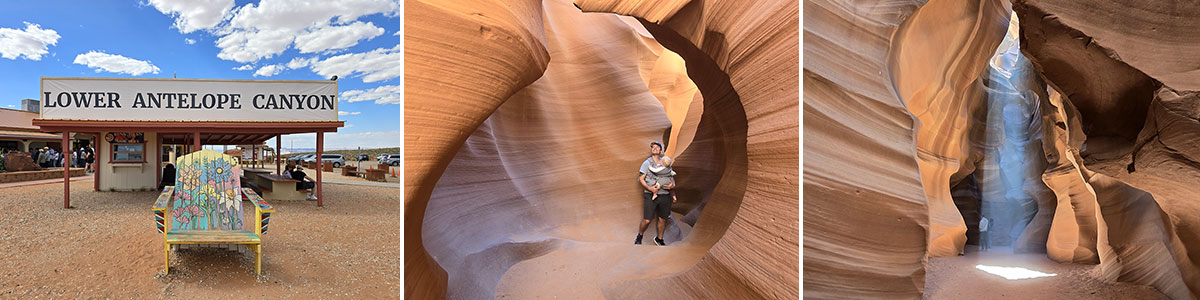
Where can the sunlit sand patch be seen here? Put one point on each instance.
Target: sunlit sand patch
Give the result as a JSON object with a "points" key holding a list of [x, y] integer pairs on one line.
{"points": [[1013, 273]]}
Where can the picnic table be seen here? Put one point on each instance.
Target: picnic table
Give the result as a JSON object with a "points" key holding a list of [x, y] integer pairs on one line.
{"points": [[379, 175], [349, 170], [279, 187]]}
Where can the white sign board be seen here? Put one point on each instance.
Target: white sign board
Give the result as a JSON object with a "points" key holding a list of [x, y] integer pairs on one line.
{"points": [[188, 100]]}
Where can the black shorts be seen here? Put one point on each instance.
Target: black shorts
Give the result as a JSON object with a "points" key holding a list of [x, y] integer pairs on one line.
{"points": [[662, 206], [304, 185]]}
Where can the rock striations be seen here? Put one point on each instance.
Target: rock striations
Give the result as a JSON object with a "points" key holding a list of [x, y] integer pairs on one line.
{"points": [[524, 121], [1083, 145]]}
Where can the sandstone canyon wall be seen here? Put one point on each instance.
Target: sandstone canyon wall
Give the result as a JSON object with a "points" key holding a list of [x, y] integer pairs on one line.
{"points": [[1092, 166], [895, 84], [524, 121], [1122, 64]]}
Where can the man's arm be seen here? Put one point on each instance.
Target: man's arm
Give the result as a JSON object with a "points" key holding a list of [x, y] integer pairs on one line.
{"points": [[642, 181]]}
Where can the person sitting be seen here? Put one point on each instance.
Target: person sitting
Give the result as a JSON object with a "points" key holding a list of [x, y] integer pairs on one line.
{"points": [[297, 173]]}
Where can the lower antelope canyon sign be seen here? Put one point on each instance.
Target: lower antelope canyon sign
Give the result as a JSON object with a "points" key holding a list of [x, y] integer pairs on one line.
{"points": [[187, 100]]}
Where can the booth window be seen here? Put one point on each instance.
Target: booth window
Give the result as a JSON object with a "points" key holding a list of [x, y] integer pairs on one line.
{"points": [[128, 153]]}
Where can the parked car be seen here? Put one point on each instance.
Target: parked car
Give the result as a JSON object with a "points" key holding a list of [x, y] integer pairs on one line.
{"points": [[298, 158], [363, 157], [381, 157], [393, 159], [337, 159]]}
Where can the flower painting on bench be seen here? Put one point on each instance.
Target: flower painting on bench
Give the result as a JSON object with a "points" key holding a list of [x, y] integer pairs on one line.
{"points": [[207, 193]]}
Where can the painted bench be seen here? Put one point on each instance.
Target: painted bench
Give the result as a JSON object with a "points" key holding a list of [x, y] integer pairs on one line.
{"points": [[205, 206]]}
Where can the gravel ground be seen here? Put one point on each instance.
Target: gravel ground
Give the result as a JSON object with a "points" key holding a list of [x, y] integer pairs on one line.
{"points": [[107, 247]]}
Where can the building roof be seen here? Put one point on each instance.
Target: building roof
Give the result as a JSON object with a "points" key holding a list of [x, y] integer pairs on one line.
{"points": [[13, 134]]}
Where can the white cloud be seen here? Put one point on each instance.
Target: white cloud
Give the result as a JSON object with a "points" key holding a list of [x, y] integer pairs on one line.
{"points": [[388, 94], [250, 46], [267, 29], [297, 15], [30, 42], [11, 106], [336, 37], [189, 41], [245, 68], [300, 62], [192, 15], [101, 61], [269, 70], [377, 65], [346, 113], [348, 125], [397, 32]]}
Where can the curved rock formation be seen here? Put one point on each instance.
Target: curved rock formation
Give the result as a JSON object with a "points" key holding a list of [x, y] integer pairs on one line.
{"points": [[865, 70], [1137, 211], [533, 176], [939, 89], [496, 48], [1111, 96], [868, 229]]}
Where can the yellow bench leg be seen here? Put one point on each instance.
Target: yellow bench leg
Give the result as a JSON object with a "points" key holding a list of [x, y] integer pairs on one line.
{"points": [[166, 258], [258, 259]]}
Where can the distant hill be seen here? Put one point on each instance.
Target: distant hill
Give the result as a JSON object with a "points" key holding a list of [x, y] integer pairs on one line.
{"points": [[350, 154]]}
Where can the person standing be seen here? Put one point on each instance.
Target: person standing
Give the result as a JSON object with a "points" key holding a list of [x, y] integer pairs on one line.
{"points": [[653, 202], [984, 244], [90, 158], [42, 157]]}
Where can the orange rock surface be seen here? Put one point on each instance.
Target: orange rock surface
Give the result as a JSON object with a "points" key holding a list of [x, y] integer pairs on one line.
{"points": [[895, 83], [524, 123]]}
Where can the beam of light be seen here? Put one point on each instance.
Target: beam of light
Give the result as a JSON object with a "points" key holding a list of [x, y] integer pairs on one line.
{"points": [[1013, 273]]}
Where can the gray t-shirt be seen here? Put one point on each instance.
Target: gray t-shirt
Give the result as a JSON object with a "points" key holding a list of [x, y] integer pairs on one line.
{"points": [[654, 175]]}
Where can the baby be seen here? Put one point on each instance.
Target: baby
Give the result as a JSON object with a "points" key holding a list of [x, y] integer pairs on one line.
{"points": [[661, 175]]}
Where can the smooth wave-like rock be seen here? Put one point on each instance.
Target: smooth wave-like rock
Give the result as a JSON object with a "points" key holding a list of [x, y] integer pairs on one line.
{"points": [[1110, 95], [939, 89], [552, 166], [880, 83], [568, 108], [1141, 223], [1112, 177], [454, 50]]}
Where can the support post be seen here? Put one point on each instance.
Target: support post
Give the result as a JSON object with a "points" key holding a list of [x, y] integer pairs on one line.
{"points": [[158, 159], [96, 165], [320, 165], [277, 162], [195, 141], [66, 169]]}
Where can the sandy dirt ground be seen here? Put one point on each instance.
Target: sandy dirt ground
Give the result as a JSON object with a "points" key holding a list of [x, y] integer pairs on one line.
{"points": [[957, 278], [107, 247]]}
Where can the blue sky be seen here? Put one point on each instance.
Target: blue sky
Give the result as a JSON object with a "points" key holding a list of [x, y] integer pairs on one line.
{"points": [[358, 40]]}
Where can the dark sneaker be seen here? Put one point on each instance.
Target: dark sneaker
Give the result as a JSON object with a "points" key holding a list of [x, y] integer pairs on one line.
{"points": [[638, 241], [660, 242]]}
